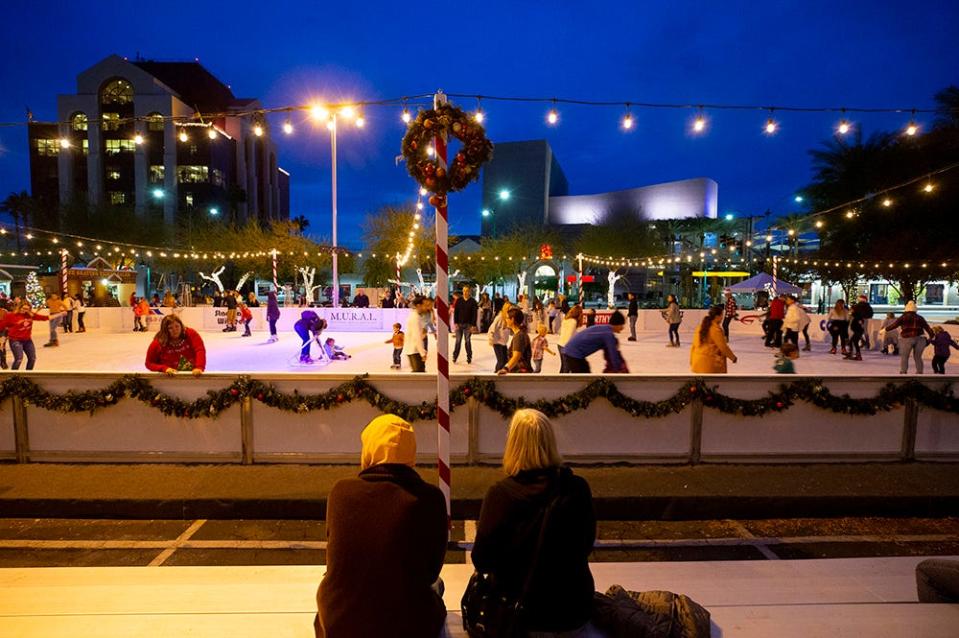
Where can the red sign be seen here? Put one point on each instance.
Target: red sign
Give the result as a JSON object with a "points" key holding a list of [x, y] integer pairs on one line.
{"points": [[545, 251], [587, 279]]}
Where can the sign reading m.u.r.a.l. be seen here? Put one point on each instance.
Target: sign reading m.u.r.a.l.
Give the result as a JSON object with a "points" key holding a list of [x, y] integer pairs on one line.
{"points": [[349, 319]]}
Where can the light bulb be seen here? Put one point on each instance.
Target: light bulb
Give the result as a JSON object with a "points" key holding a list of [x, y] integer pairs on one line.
{"points": [[211, 133], [348, 112], [360, 122], [771, 126], [699, 124], [479, 116], [423, 192], [183, 136], [819, 224], [64, 142], [258, 130], [769, 237], [319, 113], [850, 214], [406, 116], [288, 127], [552, 117], [138, 139], [843, 127], [887, 202], [911, 129], [628, 121], [430, 151], [928, 187]]}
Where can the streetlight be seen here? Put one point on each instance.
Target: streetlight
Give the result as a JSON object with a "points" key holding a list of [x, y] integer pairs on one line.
{"points": [[488, 212], [730, 217], [321, 113], [214, 211], [157, 193], [504, 195]]}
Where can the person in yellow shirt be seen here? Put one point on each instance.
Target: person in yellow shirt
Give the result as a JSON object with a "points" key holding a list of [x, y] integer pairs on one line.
{"points": [[710, 350]]}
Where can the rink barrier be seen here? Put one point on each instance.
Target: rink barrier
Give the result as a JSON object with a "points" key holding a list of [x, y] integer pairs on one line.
{"points": [[251, 432]]}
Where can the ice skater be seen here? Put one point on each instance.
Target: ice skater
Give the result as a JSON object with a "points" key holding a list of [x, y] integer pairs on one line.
{"points": [[272, 314], [19, 327], [941, 342], [397, 340], [333, 351], [246, 316], [176, 348], [309, 328], [539, 346], [673, 316]]}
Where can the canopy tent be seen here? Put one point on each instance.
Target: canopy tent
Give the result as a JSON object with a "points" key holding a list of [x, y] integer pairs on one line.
{"points": [[764, 282]]}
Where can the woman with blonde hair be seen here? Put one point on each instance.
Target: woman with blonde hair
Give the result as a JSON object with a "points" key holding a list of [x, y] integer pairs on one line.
{"points": [[540, 505], [386, 540]]}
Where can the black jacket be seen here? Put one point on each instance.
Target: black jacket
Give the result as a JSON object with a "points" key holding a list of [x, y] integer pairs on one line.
{"points": [[561, 593], [465, 312], [633, 308]]}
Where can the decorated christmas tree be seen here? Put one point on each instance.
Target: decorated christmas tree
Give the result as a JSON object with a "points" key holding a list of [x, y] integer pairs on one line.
{"points": [[35, 292]]}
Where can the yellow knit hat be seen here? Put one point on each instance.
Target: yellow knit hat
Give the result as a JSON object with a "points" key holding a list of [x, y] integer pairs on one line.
{"points": [[388, 439]]}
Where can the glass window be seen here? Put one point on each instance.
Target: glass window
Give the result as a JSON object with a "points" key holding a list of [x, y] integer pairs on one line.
{"points": [[115, 147], [217, 177], [192, 174], [188, 198], [192, 149], [111, 121], [879, 293], [78, 122], [157, 172], [935, 294], [154, 122], [46, 147], [86, 146], [113, 173], [118, 197], [117, 92]]}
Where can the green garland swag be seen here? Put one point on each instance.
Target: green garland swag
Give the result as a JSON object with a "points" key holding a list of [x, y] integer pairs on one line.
{"points": [[808, 390]]}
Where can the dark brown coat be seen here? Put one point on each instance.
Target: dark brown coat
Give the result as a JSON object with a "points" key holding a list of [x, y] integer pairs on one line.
{"points": [[387, 533]]}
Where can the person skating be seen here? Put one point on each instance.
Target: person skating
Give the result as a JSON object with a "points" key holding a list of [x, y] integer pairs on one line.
{"points": [[272, 314], [217, 299], [567, 329], [416, 322], [19, 328], [775, 317], [941, 342], [176, 348], [397, 340], [309, 327], [520, 348], [246, 316], [673, 317], [3, 334], [838, 323], [68, 305], [594, 338], [710, 351], [540, 345], [252, 301], [730, 310], [464, 321], [632, 314], [861, 314], [911, 338], [140, 310], [81, 310], [793, 321], [890, 336], [230, 301], [498, 336]]}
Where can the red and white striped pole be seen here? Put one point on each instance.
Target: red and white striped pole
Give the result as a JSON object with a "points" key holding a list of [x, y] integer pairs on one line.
{"points": [[579, 279], [63, 273], [275, 286], [775, 275], [443, 325]]}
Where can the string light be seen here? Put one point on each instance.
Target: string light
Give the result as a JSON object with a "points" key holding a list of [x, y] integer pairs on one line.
{"points": [[360, 122], [138, 139], [887, 202], [552, 116], [771, 126], [479, 116], [184, 137], [64, 142], [627, 120], [258, 130], [406, 116], [699, 124], [288, 127], [319, 113], [912, 128], [211, 133], [844, 125], [929, 187]]}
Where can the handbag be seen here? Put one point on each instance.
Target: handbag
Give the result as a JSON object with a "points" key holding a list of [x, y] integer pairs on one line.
{"points": [[489, 613]]}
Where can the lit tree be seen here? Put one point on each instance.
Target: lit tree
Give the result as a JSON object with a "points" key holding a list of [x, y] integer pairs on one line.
{"points": [[35, 294]]}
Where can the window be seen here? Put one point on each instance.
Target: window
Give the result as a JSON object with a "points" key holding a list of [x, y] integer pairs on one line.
{"points": [[879, 294], [217, 177], [46, 147], [113, 173], [192, 174], [118, 197], [111, 121], [157, 172], [86, 146], [115, 147], [188, 198], [117, 92], [154, 122], [935, 294], [78, 122], [192, 149]]}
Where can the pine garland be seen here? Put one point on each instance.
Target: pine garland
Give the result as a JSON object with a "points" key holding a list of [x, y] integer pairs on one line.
{"points": [[811, 391]]}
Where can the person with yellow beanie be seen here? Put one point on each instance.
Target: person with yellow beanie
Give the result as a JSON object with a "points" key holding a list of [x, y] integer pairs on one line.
{"points": [[386, 533]]}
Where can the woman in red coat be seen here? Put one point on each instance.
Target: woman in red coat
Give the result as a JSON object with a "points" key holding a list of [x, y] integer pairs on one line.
{"points": [[176, 348], [19, 327]]}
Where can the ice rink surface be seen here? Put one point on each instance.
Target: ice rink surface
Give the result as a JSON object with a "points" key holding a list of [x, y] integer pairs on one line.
{"points": [[229, 352]]}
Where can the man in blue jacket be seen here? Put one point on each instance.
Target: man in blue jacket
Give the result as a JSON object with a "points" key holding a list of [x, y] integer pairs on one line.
{"points": [[584, 343]]}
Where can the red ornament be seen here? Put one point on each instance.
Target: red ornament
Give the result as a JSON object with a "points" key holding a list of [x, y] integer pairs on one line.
{"points": [[467, 391], [779, 405], [429, 168], [460, 158], [259, 397], [692, 389], [340, 398], [430, 183], [234, 391]]}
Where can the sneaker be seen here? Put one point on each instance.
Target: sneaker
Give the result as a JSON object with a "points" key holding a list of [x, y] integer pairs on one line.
{"points": [[858, 357], [832, 351], [306, 360], [52, 344], [227, 329], [631, 339], [247, 334]]}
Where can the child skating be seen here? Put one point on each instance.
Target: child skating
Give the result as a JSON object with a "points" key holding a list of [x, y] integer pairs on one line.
{"points": [[397, 340]]}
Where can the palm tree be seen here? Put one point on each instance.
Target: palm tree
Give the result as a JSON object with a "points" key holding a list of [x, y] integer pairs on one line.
{"points": [[798, 223], [19, 206], [301, 223]]}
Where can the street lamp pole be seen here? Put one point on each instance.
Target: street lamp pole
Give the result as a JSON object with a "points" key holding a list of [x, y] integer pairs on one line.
{"points": [[336, 275]]}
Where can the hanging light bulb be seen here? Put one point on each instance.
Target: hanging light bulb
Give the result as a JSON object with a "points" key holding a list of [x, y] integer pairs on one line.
{"points": [[138, 139], [628, 122], [699, 124], [850, 214], [912, 128], [258, 130], [887, 202], [819, 224], [211, 133], [771, 126], [64, 142], [844, 126], [552, 117], [288, 127], [360, 122], [479, 116], [406, 116], [929, 187], [319, 113], [183, 136]]}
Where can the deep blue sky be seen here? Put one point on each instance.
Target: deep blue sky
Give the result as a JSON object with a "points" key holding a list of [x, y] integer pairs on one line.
{"points": [[813, 53]]}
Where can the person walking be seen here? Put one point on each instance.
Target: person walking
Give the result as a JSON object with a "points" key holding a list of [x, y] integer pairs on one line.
{"points": [[176, 348], [56, 314], [520, 348], [911, 339], [416, 322], [793, 322], [838, 323], [540, 498], [397, 340], [632, 313], [81, 309], [861, 313], [730, 311], [540, 345], [710, 351], [775, 317], [567, 329], [673, 317], [19, 328], [941, 342], [464, 318], [499, 335], [595, 338], [272, 315], [395, 523]]}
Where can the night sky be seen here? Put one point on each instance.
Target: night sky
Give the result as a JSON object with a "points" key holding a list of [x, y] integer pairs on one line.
{"points": [[815, 53]]}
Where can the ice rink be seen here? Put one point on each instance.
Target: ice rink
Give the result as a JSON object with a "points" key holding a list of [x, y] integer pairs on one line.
{"points": [[229, 352]]}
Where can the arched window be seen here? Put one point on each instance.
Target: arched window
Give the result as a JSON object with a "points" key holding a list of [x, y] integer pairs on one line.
{"points": [[117, 91], [78, 121], [154, 122]]}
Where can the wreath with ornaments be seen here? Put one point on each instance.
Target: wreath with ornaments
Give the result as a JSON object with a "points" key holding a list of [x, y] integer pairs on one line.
{"points": [[463, 168]]}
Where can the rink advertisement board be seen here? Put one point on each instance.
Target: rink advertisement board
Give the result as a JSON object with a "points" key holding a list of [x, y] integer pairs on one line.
{"points": [[353, 319]]}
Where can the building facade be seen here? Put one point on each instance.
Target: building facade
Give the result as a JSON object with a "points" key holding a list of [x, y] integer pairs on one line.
{"points": [[161, 138]]}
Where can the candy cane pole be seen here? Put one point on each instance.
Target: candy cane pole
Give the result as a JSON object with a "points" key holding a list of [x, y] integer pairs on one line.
{"points": [[775, 275], [63, 273], [443, 327], [273, 254], [579, 279]]}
